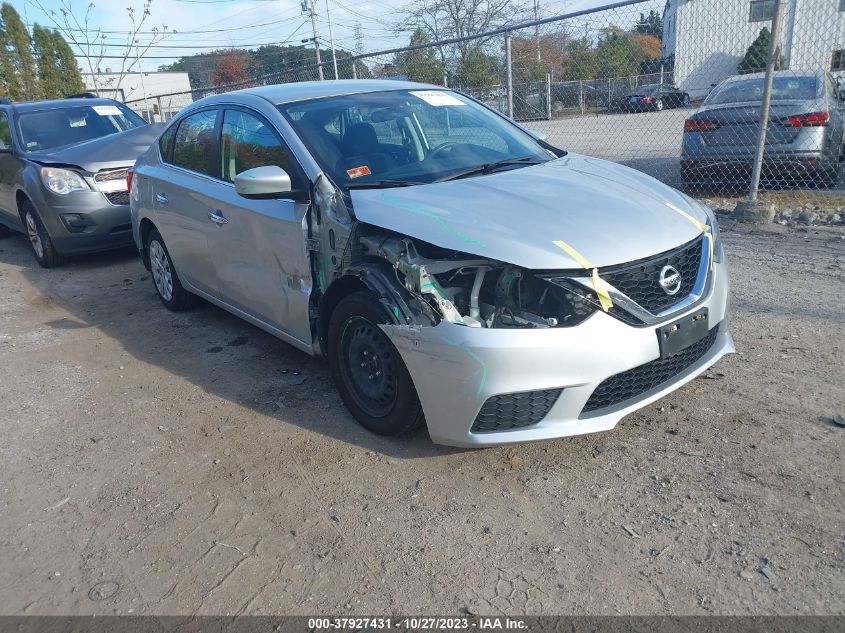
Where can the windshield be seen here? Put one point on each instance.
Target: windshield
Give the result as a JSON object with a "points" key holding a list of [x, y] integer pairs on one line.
{"points": [[408, 137], [783, 88], [46, 129]]}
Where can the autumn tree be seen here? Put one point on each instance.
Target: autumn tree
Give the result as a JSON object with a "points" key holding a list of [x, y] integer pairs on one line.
{"points": [[19, 72], [231, 67]]}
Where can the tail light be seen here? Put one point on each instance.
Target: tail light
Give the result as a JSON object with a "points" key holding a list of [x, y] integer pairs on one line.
{"points": [[648, 99], [698, 125], [129, 173], [813, 119]]}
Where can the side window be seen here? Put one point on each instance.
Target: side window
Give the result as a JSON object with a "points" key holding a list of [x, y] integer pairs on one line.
{"points": [[249, 142], [5, 131], [165, 143], [195, 144]]}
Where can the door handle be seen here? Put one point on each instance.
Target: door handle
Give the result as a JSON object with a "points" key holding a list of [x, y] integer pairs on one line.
{"points": [[161, 198], [217, 217]]}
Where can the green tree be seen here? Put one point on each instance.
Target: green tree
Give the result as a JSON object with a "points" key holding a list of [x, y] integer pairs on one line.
{"points": [[71, 77], [477, 70], [757, 55], [17, 47], [617, 55], [49, 74], [421, 64], [651, 24]]}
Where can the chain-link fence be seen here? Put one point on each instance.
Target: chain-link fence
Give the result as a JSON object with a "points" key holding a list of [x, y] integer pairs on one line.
{"points": [[675, 88]]}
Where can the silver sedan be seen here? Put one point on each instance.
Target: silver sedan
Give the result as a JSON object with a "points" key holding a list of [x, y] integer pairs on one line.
{"points": [[455, 270]]}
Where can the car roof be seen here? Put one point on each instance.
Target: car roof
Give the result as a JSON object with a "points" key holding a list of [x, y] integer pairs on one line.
{"points": [[818, 74], [54, 104], [301, 91]]}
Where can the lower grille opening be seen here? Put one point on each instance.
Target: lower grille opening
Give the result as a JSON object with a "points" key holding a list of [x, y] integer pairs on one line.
{"points": [[118, 197], [635, 382], [510, 411]]}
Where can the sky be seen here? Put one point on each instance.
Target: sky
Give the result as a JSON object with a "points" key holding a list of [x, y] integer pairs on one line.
{"points": [[247, 23]]}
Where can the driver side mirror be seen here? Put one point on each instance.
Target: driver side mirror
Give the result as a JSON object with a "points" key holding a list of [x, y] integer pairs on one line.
{"points": [[265, 183]]}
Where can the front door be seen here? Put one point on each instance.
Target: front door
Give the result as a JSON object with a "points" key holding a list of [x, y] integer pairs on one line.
{"points": [[9, 165], [258, 246]]}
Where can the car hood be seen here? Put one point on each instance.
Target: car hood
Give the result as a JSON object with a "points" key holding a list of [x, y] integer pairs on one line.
{"points": [[108, 152], [608, 213]]}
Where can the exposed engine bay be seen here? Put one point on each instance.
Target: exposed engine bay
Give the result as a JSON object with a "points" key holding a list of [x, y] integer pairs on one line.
{"points": [[479, 293]]}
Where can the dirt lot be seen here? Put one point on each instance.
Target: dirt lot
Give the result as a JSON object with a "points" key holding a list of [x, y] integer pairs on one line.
{"points": [[161, 463]]}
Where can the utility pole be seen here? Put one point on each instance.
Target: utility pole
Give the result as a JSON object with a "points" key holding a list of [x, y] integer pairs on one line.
{"points": [[537, 27], [331, 39], [308, 7]]}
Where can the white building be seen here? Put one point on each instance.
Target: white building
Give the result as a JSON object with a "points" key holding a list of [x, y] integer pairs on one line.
{"points": [[136, 87], [708, 38]]}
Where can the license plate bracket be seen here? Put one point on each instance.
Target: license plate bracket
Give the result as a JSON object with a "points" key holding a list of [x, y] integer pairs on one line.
{"points": [[680, 334]]}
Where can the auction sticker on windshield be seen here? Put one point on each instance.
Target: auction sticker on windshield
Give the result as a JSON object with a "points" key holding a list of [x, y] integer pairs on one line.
{"points": [[437, 97], [107, 110], [357, 172]]}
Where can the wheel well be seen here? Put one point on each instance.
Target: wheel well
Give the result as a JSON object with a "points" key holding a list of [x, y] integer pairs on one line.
{"points": [[335, 293], [145, 228], [21, 198]]}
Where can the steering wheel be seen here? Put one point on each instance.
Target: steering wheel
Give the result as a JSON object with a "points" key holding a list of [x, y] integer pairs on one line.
{"points": [[448, 145]]}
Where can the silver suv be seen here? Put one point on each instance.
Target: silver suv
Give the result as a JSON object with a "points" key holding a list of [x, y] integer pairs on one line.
{"points": [[455, 270]]}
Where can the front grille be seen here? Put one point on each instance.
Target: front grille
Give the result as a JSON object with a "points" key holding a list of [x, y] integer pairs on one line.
{"points": [[634, 382], [639, 280], [514, 410], [118, 197]]}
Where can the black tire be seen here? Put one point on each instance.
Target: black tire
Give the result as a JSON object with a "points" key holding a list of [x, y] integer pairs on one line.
{"points": [[685, 100], [166, 281], [658, 105], [369, 372], [39, 239], [829, 177]]}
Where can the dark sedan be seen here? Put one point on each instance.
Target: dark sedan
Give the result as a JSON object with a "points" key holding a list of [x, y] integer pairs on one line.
{"points": [[655, 97]]}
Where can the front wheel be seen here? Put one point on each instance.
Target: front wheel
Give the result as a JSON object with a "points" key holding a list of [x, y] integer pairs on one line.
{"points": [[369, 373], [39, 240], [659, 105], [166, 281], [685, 100]]}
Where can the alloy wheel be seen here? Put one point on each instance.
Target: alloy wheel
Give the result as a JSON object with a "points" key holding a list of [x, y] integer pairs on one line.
{"points": [[34, 235], [162, 273]]}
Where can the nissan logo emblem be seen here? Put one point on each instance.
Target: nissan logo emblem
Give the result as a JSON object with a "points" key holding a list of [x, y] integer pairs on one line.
{"points": [[669, 280]]}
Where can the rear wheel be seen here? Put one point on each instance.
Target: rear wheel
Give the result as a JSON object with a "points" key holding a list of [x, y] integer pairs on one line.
{"points": [[658, 105], [685, 100], [39, 240], [369, 373], [166, 281]]}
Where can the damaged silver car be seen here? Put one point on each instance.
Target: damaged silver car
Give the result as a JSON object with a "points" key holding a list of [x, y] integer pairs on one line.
{"points": [[455, 270]]}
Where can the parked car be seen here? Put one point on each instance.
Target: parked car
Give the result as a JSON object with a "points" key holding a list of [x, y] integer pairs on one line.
{"points": [[655, 97], [803, 139], [454, 269], [63, 167]]}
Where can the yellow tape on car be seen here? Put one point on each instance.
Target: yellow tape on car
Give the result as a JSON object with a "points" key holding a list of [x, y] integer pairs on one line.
{"points": [[598, 283], [704, 228]]}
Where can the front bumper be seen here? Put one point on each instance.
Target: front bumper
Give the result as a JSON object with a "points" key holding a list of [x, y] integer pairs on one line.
{"points": [[102, 225], [456, 369]]}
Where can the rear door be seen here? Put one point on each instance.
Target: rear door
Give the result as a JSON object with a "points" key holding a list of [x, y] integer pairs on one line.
{"points": [[9, 165], [183, 191], [259, 246]]}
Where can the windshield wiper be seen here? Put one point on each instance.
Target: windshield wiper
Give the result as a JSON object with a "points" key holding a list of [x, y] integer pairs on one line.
{"points": [[382, 184], [490, 167]]}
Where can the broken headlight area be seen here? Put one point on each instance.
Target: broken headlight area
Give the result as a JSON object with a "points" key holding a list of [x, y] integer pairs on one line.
{"points": [[477, 292]]}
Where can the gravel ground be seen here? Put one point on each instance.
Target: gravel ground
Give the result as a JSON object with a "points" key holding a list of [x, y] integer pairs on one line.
{"points": [[162, 464]]}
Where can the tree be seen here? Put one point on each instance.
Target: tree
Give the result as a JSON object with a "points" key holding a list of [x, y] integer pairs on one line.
{"points": [[78, 29], [477, 70], [232, 67], [22, 80], [757, 55], [421, 64], [71, 79], [442, 19], [49, 74], [651, 24]]}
